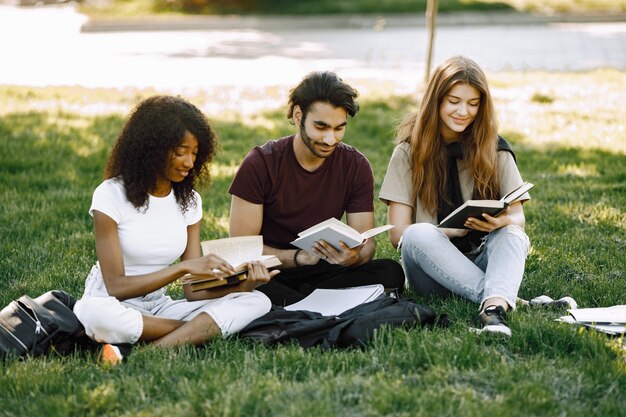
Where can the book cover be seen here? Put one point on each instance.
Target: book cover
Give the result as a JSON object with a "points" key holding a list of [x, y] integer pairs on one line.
{"points": [[475, 208], [333, 231], [215, 283]]}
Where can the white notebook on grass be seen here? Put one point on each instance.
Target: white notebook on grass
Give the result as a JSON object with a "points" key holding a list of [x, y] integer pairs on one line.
{"points": [[332, 302]]}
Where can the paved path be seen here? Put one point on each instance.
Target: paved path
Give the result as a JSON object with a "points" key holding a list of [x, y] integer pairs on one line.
{"points": [[57, 46]]}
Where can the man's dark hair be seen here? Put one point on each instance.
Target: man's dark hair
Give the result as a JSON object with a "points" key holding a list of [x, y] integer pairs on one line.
{"points": [[324, 86]]}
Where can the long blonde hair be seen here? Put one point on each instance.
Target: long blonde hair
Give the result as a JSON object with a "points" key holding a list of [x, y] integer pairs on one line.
{"points": [[422, 131]]}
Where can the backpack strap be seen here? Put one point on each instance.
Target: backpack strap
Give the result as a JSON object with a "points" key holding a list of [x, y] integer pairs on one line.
{"points": [[504, 145]]}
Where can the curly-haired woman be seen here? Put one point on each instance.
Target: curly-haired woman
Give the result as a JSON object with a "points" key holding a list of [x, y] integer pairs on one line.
{"points": [[146, 216], [447, 153]]}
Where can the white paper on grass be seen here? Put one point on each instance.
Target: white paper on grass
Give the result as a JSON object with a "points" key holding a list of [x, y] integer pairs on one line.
{"points": [[614, 329], [332, 302], [615, 314]]}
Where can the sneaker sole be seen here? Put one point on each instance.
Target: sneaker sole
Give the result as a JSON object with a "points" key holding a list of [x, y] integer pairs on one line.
{"points": [[497, 329]]}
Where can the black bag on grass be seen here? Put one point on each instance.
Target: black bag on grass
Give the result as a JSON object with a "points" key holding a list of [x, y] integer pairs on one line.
{"points": [[35, 326], [352, 328]]}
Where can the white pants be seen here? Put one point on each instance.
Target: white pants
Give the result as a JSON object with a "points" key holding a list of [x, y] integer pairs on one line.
{"points": [[108, 320]]}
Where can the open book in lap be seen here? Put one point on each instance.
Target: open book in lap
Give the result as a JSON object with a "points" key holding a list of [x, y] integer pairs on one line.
{"points": [[475, 208], [237, 251], [333, 231]]}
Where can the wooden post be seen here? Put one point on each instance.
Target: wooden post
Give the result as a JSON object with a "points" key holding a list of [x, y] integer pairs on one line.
{"points": [[431, 22]]}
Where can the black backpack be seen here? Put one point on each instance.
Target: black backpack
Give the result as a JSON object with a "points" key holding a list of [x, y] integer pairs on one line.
{"points": [[352, 328], [33, 327]]}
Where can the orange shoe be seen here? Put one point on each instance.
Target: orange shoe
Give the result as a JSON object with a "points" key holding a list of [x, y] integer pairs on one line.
{"points": [[111, 355]]}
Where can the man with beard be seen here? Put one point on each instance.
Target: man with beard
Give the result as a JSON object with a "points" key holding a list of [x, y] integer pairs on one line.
{"points": [[293, 183]]}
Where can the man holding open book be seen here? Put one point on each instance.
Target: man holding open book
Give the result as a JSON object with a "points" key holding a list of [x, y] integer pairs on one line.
{"points": [[293, 183]]}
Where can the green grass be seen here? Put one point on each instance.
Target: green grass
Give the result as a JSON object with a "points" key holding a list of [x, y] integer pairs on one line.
{"points": [[126, 8], [54, 144]]}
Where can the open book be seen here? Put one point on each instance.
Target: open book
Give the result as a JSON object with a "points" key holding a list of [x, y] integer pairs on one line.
{"points": [[334, 302], [237, 251], [475, 208], [611, 320], [333, 231]]}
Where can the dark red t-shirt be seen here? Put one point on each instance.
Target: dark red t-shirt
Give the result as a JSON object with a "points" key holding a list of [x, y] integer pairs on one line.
{"points": [[295, 199]]}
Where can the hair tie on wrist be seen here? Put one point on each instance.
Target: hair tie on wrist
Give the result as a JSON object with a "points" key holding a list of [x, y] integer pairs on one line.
{"points": [[295, 257]]}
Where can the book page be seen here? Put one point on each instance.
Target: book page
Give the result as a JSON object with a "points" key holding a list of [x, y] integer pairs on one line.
{"points": [[332, 234], [325, 223], [331, 302], [515, 194], [235, 250], [615, 314], [270, 261], [377, 230], [613, 329]]}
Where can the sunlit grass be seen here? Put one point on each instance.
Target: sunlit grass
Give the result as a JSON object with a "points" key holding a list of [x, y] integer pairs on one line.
{"points": [[563, 6], [579, 170], [54, 145], [577, 109], [583, 110], [594, 215]]}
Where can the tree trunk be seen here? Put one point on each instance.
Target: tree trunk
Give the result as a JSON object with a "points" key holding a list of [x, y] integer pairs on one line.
{"points": [[431, 23]]}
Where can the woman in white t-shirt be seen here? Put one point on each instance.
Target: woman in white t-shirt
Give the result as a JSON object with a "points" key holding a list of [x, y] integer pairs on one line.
{"points": [[447, 153], [146, 217]]}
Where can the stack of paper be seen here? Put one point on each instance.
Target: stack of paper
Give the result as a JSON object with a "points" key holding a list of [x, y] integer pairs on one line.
{"points": [[334, 302], [611, 320]]}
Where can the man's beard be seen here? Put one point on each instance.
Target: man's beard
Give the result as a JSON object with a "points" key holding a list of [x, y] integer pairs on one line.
{"points": [[308, 142]]}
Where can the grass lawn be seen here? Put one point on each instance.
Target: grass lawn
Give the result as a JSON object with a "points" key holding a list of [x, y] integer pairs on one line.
{"points": [[125, 8], [570, 138]]}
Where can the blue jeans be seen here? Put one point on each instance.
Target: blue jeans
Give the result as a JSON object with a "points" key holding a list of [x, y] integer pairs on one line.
{"points": [[433, 265]]}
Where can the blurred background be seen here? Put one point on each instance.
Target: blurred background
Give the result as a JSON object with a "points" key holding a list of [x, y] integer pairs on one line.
{"points": [[224, 46], [71, 72]]}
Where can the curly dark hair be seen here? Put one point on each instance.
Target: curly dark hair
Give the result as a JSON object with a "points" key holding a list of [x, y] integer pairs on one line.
{"points": [[151, 132]]}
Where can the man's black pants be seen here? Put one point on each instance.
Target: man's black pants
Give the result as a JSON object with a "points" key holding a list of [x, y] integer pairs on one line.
{"points": [[292, 285]]}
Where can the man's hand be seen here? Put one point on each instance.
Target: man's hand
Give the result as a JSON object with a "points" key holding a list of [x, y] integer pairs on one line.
{"points": [[344, 256]]}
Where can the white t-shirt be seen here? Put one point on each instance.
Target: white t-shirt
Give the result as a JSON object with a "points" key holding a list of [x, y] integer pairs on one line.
{"points": [[151, 239]]}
